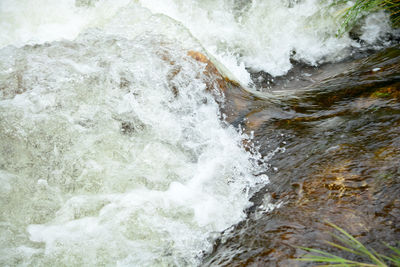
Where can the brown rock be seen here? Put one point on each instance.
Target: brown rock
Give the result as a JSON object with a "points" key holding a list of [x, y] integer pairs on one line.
{"points": [[210, 71]]}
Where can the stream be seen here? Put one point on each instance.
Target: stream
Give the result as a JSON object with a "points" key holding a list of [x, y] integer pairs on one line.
{"points": [[194, 133]]}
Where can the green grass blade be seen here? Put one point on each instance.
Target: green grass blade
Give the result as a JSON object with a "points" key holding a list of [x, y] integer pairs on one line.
{"points": [[396, 261], [353, 246], [361, 8], [343, 248], [319, 252], [357, 245], [394, 249]]}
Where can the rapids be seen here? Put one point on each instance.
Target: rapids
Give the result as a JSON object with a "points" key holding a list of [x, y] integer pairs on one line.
{"points": [[112, 151]]}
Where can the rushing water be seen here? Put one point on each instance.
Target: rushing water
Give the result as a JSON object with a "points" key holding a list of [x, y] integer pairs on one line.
{"points": [[340, 129], [112, 149]]}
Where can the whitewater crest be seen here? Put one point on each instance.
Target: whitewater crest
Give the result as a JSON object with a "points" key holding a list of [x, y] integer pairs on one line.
{"points": [[265, 35], [243, 35], [113, 152]]}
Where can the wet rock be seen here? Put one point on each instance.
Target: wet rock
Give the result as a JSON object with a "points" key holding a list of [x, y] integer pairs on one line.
{"points": [[235, 98], [215, 82], [210, 71]]}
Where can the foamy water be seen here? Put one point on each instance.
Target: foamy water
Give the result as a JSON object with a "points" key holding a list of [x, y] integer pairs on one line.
{"points": [[264, 35], [111, 150]]}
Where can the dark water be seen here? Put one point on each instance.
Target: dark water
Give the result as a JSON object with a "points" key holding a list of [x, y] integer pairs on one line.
{"points": [[339, 126]]}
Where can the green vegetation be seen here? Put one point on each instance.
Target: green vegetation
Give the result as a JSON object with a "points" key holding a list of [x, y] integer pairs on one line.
{"points": [[350, 244], [360, 8]]}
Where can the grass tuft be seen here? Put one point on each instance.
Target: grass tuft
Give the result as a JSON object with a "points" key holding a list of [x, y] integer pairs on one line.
{"points": [[361, 8], [350, 244]]}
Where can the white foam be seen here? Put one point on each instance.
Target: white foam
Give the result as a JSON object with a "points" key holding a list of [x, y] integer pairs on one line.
{"points": [[111, 165], [264, 35], [39, 21], [376, 26], [259, 35]]}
